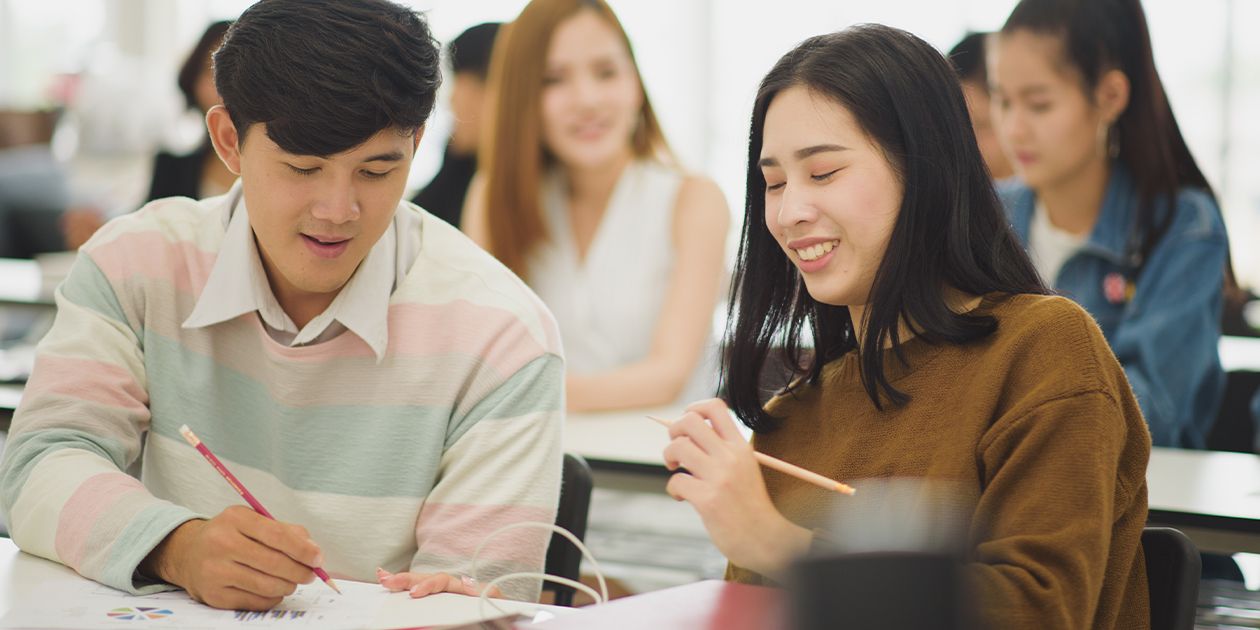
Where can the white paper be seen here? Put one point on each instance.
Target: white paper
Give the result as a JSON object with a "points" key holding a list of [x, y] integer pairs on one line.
{"points": [[38, 594], [77, 603]]}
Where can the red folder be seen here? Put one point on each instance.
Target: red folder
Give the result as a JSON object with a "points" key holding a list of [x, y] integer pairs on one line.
{"points": [[708, 605]]}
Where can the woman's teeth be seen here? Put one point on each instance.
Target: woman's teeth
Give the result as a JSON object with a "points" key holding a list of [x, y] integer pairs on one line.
{"points": [[815, 252]]}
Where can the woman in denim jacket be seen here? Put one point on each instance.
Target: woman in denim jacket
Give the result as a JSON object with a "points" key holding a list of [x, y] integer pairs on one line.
{"points": [[1109, 200]]}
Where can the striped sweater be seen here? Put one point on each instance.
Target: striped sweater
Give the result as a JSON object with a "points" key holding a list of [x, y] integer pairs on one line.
{"points": [[405, 463]]}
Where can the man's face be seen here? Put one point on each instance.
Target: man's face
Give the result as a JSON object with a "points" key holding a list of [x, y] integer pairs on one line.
{"points": [[315, 219]]}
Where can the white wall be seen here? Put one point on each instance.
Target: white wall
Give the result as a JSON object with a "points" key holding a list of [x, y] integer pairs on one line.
{"points": [[701, 60]]}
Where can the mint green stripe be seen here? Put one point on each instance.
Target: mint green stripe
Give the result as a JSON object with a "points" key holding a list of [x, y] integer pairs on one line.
{"points": [[535, 387], [88, 287], [25, 450], [148, 528], [359, 450]]}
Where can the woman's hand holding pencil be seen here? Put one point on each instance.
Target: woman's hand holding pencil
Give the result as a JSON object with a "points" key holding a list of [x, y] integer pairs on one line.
{"points": [[723, 483]]}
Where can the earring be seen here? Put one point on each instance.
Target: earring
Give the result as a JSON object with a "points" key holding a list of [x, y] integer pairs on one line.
{"points": [[638, 137], [1113, 142]]}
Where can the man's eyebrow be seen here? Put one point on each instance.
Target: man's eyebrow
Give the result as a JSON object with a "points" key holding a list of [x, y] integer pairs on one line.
{"points": [[392, 156]]}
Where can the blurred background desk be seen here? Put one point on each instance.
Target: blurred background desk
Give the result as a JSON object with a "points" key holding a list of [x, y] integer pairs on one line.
{"points": [[644, 540], [1212, 496], [26, 313]]}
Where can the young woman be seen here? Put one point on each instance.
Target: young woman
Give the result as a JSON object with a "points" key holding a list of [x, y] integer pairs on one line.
{"points": [[1114, 211], [578, 194], [871, 218]]}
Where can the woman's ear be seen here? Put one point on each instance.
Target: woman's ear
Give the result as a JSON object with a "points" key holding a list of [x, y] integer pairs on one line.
{"points": [[227, 143], [1112, 95]]}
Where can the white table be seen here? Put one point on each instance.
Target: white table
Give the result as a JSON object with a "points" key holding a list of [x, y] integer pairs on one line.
{"points": [[1240, 354], [32, 282], [10, 396], [1214, 497], [23, 575]]}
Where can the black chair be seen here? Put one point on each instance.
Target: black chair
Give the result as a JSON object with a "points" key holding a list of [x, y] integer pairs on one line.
{"points": [[563, 558], [1172, 571]]}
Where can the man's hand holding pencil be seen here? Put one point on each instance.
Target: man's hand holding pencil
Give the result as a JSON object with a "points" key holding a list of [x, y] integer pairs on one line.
{"points": [[237, 560], [242, 559]]}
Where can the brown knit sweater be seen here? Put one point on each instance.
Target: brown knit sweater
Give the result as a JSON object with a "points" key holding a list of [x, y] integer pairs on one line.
{"points": [[1038, 427]]}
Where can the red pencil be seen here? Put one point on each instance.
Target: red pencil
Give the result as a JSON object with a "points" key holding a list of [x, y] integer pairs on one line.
{"points": [[240, 489]]}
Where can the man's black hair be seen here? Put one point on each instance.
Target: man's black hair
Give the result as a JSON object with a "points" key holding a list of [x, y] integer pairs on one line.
{"points": [[470, 52], [327, 75]]}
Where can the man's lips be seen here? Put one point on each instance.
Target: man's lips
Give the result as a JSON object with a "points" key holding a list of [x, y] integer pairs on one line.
{"points": [[326, 246]]}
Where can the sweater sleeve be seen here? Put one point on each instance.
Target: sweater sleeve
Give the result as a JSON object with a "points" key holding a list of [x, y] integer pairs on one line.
{"points": [[1043, 524], [80, 424], [1167, 341], [501, 466]]}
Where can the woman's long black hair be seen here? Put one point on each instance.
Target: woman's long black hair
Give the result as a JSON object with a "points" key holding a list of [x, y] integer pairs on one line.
{"points": [[951, 230]]}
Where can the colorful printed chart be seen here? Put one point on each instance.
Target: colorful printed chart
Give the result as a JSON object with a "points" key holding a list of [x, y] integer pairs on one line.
{"points": [[139, 613]]}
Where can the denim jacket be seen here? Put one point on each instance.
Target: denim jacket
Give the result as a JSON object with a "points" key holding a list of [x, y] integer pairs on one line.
{"points": [[1162, 321]]}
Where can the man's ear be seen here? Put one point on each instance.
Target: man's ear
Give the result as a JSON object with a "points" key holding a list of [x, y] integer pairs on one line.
{"points": [[227, 143], [1112, 95]]}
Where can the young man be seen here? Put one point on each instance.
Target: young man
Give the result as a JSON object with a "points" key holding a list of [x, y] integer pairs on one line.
{"points": [[390, 392]]}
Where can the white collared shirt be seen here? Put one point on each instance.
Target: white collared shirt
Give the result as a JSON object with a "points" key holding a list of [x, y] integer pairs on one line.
{"points": [[238, 285]]}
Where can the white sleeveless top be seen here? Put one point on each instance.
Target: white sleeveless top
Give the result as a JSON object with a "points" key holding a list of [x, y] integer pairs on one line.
{"points": [[607, 305]]}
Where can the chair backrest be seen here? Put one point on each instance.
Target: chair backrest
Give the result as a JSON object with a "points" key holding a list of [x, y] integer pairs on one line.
{"points": [[563, 559], [1172, 573]]}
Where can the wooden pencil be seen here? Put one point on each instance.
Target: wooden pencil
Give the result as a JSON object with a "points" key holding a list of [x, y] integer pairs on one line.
{"points": [[788, 469]]}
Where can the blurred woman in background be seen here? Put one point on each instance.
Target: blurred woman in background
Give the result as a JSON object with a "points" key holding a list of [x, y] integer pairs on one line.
{"points": [[578, 193], [1111, 204]]}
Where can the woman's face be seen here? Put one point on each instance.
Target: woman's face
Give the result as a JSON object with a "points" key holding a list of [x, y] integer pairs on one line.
{"points": [[832, 198], [591, 97], [1049, 127]]}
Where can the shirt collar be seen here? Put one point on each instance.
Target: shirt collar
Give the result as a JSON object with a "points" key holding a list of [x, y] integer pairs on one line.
{"points": [[238, 285], [1108, 239]]}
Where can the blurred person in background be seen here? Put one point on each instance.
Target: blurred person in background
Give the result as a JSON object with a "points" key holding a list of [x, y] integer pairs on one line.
{"points": [[469, 53], [969, 60], [579, 194], [1110, 202], [201, 173]]}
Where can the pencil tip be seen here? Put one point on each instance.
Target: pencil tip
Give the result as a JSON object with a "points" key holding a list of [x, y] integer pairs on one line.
{"points": [[334, 586], [660, 421]]}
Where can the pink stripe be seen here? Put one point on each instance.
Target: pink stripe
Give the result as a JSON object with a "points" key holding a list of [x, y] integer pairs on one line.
{"points": [[89, 380], [93, 498], [153, 255], [344, 346], [455, 530], [495, 335]]}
